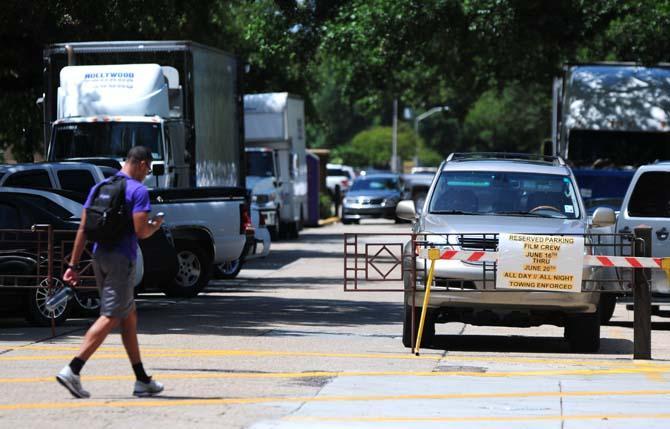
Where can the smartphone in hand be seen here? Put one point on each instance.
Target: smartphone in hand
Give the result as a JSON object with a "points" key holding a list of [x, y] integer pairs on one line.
{"points": [[158, 217]]}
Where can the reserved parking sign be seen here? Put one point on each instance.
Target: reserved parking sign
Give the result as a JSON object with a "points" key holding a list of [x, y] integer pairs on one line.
{"points": [[540, 262]]}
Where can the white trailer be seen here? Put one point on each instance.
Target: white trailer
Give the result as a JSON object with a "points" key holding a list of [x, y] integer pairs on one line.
{"points": [[608, 119], [274, 126]]}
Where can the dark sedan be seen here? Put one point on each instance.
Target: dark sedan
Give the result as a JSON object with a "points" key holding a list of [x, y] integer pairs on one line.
{"points": [[372, 196]]}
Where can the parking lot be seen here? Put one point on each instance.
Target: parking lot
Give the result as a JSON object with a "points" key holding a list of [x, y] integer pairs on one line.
{"points": [[283, 346]]}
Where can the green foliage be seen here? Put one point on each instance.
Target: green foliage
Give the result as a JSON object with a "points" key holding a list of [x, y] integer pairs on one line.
{"points": [[491, 61], [325, 206], [515, 119], [373, 147]]}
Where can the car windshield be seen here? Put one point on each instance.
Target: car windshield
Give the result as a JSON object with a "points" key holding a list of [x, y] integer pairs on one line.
{"points": [[259, 164], [504, 194], [375, 184], [104, 139]]}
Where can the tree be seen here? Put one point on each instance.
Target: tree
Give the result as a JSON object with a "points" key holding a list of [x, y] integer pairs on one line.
{"points": [[372, 147], [515, 119]]}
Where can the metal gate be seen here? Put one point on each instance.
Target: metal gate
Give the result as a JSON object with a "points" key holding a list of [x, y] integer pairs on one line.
{"points": [[377, 262], [36, 258], [382, 262]]}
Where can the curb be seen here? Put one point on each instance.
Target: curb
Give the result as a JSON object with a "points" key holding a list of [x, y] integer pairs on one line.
{"points": [[329, 221]]}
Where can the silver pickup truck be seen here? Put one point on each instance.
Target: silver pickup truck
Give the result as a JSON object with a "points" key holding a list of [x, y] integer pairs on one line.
{"points": [[210, 226]]}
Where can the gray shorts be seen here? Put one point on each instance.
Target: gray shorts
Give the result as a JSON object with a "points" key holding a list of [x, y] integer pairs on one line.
{"points": [[114, 275]]}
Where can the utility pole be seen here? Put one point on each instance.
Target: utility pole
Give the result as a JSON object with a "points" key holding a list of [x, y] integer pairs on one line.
{"points": [[394, 147]]}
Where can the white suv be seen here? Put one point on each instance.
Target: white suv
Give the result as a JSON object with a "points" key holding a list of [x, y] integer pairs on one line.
{"points": [[338, 178], [647, 202], [476, 197]]}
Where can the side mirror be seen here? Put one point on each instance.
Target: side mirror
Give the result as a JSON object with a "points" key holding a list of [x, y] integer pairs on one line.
{"points": [[406, 210], [158, 170], [603, 216]]}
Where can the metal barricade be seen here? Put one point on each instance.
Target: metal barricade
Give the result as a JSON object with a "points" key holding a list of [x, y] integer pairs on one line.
{"points": [[35, 260], [399, 262]]}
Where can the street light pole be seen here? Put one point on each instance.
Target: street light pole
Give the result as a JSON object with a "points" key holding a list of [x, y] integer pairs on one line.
{"points": [[420, 118]]}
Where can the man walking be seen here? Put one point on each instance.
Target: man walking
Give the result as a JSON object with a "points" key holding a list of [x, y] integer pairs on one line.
{"points": [[114, 266]]}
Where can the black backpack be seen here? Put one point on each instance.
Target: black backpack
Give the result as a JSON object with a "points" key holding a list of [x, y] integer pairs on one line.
{"points": [[107, 218]]}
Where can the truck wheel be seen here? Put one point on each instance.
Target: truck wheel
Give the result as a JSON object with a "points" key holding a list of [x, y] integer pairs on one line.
{"points": [[292, 230], [583, 332], [428, 335], [275, 230], [229, 270], [606, 307], [301, 225], [193, 273], [37, 311]]}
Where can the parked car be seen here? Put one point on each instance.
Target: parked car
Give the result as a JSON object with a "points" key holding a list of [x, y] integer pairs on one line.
{"points": [[415, 188], [338, 178], [490, 195], [21, 208], [372, 196], [198, 218], [72, 176]]}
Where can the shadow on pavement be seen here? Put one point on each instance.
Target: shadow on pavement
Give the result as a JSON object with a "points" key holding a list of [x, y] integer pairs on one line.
{"points": [[234, 315], [523, 344]]}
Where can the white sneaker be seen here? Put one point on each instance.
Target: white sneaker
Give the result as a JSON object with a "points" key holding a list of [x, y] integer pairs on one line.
{"points": [[147, 389], [71, 382]]}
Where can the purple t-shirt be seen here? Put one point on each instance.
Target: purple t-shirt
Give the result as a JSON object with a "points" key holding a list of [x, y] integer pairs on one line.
{"points": [[137, 199]]}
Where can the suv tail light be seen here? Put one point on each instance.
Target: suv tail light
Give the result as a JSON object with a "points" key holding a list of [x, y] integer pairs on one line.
{"points": [[345, 183]]}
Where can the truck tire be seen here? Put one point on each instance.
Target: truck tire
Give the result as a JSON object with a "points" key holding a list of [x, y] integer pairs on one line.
{"points": [[229, 270], [38, 314], [428, 335], [194, 271], [583, 332], [292, 230], [275, 230], [606, 307]]}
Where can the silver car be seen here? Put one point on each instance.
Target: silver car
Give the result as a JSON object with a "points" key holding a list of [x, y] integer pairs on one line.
{"points": [[474, 198]]}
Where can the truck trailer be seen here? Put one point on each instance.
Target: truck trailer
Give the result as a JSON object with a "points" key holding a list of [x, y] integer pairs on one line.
{"points": [[608, 119]]}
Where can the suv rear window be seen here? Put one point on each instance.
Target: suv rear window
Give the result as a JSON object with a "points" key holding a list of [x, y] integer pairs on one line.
{"points": [[29, 179], [76, 180], [336, 172], [651, 195]]}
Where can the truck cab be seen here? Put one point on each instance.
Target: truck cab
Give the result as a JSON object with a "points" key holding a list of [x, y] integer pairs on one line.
{"points": [[276, 165], [265, 185], [103, 111]]}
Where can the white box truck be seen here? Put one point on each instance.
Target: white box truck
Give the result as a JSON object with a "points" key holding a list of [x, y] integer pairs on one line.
{"points": [[180, 98], [274, 126]]}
